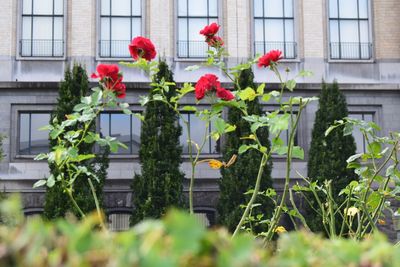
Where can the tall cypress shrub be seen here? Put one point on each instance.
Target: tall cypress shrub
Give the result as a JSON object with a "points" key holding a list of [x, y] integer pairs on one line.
{"points": [[57, 203], [241, 176], [328, 154], [159, 186]]}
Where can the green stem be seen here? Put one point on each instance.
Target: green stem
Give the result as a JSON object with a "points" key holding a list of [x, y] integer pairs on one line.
{"points": [[96, 201], [69, 193], [362, 220], [278, 212], [264, 160], [300, 216], [332, 214]]}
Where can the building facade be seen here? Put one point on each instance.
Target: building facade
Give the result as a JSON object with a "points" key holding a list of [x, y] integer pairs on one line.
{"points": [[355, 42]]}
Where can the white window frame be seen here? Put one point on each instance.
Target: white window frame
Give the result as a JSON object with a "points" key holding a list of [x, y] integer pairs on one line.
{"points": [[371, 59], [177, 58], [295, 32], [98, 31], [19, 36]]}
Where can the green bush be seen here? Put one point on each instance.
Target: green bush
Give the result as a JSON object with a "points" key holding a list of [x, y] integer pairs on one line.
{"points": [[160, 184], [241, 176], [177, 240], [57, 203], [328, 154]]}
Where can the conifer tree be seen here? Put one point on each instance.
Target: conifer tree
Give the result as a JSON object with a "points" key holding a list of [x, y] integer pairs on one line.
{"points": [[241, 176], [159, 186], [328, 154], [57, 203]]}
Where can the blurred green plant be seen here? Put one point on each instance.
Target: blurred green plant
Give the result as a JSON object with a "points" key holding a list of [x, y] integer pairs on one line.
{"points": [[167, 243]]}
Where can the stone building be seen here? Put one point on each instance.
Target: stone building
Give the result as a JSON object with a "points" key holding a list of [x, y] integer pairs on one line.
{"points": [[355, 42]]}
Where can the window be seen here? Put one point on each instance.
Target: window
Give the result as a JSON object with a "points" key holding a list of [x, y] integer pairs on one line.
{"points": [[193, 15], [120, 21], [197, 131], [42, 28], [358, 136], [349, 29], [32, 141], [126, 128], [119, 221], [274, 27]]}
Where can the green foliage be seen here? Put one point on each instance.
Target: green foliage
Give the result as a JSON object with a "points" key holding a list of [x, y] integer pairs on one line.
{"points": [[160, 183], [57, 203], [240, 177], [176, 241], [328, 154]]}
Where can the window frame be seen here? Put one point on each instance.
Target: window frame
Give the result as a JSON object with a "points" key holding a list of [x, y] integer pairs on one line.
{"points": [[176, 31], [295, 30], [16, 110], [370, 18], [98, 31], [20, 30]]}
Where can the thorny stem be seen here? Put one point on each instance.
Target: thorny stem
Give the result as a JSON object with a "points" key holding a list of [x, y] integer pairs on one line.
{"points": [[359, 234], [378, 210], [276, 217], [96, 201], [301, 217], [69, 193], [264, 160]]}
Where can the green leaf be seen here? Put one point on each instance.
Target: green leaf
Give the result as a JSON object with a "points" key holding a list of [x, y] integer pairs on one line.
{"points": [[247, 94], [39, 183], [243, 148], [266, 97], [143, 100], [279, 123], [123, 105], [260, 89], [348, 129], [298, 152], [305, 73], [219, 125], [374, 148], [50, 181], [189, 108], [354, 157], [291, 84], [158, 97]]}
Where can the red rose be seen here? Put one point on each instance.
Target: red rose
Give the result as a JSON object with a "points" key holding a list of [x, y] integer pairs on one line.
{"points": [[215, 41], [104, 70], [271, 56], [210, 83], [111, 78], [141, 47], [225, 94], [210, 30]]}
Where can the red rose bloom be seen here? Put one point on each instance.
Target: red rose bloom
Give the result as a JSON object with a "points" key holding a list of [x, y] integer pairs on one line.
{"points": [[215, 41], [210, 83], [271, 56], [111, 78], [210, 30], [225, 94], [142, 47]]}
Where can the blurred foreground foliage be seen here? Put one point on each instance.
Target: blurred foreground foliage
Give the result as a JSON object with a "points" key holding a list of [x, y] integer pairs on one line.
{"points": [[177, 240]]}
